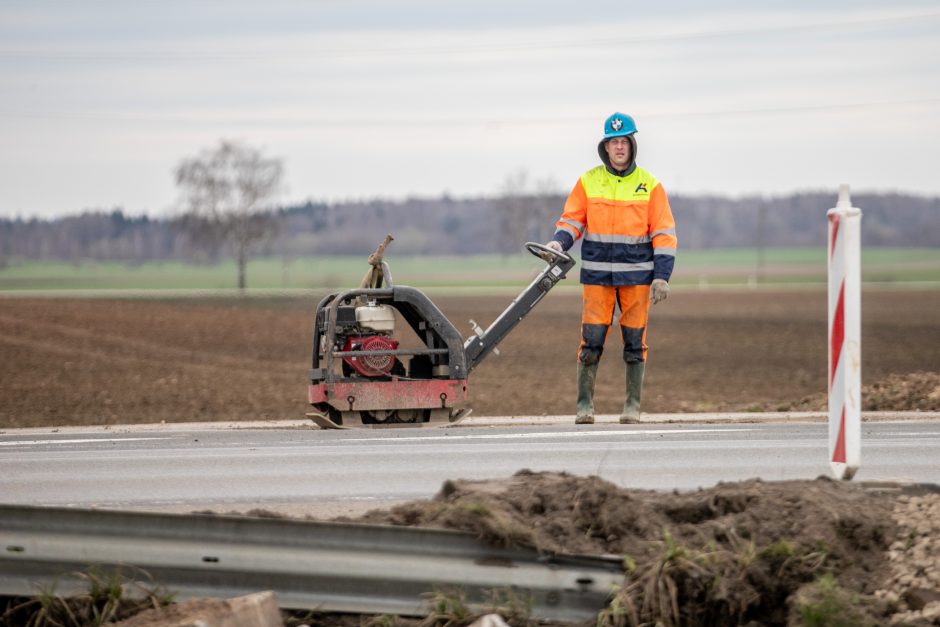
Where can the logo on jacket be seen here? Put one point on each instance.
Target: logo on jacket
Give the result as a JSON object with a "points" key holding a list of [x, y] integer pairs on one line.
{"points": [[616, 124], [640, 188]]}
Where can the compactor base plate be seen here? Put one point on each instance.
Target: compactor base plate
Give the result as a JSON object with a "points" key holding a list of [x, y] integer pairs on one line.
{"points": [[354, 420]]}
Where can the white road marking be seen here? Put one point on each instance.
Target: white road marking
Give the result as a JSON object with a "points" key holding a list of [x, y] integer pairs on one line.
{"points": [[559, 434], [73, 441]]}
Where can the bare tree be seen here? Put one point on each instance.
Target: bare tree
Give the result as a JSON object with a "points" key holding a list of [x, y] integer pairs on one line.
{"points": [[526, 214], [549, 203], [515, 214], [227, 193]]}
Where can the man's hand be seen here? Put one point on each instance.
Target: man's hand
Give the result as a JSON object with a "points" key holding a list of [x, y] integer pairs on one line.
{"points": [[659, 290], [554, 245]]}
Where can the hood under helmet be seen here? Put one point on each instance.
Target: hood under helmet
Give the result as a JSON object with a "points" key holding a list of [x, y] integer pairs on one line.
{"points": [[618, 125]]}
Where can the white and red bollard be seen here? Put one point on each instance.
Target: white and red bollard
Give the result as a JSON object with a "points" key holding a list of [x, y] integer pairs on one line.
{"points": [[845, 337]]}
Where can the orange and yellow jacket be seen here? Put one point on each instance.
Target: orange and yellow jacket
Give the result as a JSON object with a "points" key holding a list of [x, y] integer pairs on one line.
{"points": [[628, 229]]}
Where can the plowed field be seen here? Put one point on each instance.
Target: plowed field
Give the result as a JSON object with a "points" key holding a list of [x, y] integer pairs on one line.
{"points": [[72, 362]]}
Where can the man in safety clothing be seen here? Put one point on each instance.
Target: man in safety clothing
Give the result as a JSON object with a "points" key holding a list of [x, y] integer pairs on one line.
{"points": [[628, 254]]}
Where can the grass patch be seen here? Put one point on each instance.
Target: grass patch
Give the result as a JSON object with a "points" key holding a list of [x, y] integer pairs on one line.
{"points": [[824, 603], [446, 607], [110, 597], [729, 267], [726, 583]]}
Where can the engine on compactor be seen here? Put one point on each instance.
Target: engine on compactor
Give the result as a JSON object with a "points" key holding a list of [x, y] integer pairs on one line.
{"points": [[365, 328]]}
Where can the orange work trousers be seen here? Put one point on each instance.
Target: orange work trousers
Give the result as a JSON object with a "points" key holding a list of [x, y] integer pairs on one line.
{"points": [[597, 318]]}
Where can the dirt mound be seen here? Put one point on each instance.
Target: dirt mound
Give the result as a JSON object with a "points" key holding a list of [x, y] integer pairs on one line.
{"points": [[767, 552], [917, 391]]}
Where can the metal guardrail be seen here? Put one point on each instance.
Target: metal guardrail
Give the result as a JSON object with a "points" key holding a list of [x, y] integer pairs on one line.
{"points": [[369, 569]]}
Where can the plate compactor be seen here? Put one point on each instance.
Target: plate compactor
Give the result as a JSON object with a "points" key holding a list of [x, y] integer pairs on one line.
{"points": [[361, 377]]}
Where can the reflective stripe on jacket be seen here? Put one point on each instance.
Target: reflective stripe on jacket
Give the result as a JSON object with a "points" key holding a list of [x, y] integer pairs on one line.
{"points": [[628, 229]]}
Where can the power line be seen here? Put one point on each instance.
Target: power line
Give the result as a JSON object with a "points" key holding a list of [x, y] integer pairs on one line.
{"points": [[795, 109], [594, 42], [458, 122]]}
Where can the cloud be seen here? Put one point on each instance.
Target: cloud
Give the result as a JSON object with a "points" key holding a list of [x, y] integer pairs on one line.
{"points": [[373, 98]]}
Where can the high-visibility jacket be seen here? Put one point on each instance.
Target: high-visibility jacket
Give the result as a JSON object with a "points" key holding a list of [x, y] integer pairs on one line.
{"points": [[628, 229]]}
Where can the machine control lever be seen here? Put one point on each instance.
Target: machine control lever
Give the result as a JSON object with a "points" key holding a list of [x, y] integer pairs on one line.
{"points": [[480, 333]]}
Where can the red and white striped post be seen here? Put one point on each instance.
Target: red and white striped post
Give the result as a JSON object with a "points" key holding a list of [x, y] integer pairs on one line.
{"points": [[845, 337]]}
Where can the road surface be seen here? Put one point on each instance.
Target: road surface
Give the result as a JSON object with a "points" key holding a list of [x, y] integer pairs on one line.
{"points": [[306, 471]]}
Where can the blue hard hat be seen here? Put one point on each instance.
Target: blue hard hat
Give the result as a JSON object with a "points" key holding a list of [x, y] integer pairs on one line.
{"points": [[619, 125]]}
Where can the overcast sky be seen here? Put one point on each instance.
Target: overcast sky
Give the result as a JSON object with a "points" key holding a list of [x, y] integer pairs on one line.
{"points": [[99, 100]]}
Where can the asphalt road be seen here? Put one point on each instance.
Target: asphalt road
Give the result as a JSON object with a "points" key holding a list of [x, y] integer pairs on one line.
{"points": [[327, 473]]}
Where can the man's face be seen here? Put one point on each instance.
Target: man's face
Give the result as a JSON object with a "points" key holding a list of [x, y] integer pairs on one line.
{"points": [[618, 151]]}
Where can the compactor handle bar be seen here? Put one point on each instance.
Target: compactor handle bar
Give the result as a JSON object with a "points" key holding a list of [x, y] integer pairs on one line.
{"points": [[541, 250], [478, 346]]}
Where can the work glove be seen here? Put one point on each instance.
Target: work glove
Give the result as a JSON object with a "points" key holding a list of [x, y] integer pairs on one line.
{"points": [[554, 245], [659, 290]]}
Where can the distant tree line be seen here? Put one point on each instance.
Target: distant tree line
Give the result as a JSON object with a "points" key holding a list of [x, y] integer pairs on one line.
{"points": [[445, 225]]}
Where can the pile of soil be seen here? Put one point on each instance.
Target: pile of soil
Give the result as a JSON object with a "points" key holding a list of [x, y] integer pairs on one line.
{"points": [[917, 391], [915, 561], [745, 553]]}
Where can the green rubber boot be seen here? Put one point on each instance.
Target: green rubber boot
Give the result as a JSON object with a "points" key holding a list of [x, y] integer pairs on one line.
{"points": [[631, 408], [587, 374]]}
